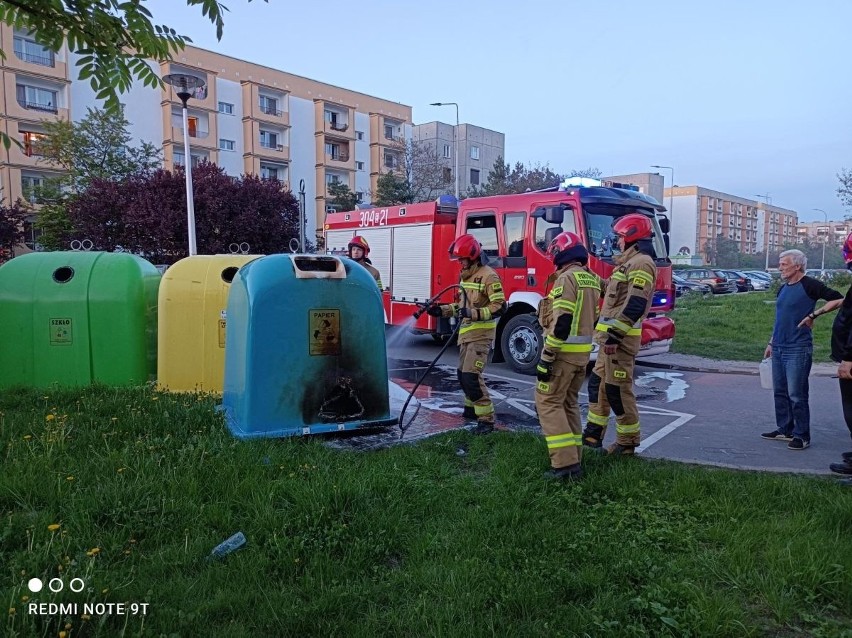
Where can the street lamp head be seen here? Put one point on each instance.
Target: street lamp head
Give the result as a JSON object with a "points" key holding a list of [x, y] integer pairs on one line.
{"points": [[436, 104], [185, 85]]}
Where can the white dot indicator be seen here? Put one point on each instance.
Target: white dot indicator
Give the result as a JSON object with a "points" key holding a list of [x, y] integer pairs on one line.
{"points": [[35, 585]]}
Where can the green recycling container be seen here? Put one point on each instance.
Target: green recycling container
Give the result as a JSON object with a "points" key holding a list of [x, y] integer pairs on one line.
{"points": [[75, 318], [304, 348]]}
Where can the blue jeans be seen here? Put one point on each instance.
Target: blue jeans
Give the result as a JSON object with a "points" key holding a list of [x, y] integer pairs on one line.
{"points": [[790, 370]]}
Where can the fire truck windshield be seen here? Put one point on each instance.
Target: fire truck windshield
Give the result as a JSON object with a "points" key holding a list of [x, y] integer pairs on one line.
{"points": [[599, 219]]}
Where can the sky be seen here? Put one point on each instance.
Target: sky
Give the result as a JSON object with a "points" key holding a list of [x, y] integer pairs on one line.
{"points": [[744, 97]]}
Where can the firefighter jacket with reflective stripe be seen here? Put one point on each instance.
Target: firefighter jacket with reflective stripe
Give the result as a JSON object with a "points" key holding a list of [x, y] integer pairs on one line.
{"points": [[633, 281], [482, 292], [575, 295], [373, 271]]}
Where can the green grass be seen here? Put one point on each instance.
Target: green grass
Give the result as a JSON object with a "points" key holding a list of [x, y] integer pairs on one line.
{"points": [[412, 541], [736, 327]]}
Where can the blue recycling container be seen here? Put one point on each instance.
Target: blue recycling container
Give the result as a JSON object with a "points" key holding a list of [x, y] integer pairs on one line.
{"points": [[304, 348]]}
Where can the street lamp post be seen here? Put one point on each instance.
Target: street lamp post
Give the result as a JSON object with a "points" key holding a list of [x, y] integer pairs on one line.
{"points": [[768, 227], [455, 139], [671, 194], [186, 86], [824, 239]]}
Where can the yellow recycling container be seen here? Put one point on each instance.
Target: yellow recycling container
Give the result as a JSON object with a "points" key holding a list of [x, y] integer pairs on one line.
{"points": [[191, 335]]}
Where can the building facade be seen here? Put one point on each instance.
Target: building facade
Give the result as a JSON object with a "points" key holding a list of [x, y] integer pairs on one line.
{"points": [[248, 118], [35, 88], [831, 233], [478, 150], [701, 215], [649, 183]]}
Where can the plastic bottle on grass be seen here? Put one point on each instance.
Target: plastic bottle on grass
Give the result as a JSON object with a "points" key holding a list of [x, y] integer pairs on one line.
{"points": [[228, 546]]}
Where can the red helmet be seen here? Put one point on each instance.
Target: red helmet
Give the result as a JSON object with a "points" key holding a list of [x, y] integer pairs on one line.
{"points": [[465, 247], [847, 249], [633, 227], [567, 247], [359, 242]]}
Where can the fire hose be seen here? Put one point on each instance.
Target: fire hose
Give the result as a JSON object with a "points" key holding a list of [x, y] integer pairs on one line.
{"points": [[423, 308]]}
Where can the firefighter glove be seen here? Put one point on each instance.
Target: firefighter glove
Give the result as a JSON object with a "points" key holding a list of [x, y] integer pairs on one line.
{"points": [[465, 313], [434, 310], [544, 370], [614, 337]]}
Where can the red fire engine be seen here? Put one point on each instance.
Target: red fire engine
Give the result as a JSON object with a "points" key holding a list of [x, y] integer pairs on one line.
{"points": [[409, 245]]}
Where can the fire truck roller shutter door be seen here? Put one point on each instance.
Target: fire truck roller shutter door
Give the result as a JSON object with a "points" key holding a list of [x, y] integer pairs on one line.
{"points": [[380, 251], [412, 258]]}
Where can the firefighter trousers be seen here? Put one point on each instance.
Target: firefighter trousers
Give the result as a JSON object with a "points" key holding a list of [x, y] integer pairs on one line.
{"points": [[611, 387], [559, 413], [473, 356]]}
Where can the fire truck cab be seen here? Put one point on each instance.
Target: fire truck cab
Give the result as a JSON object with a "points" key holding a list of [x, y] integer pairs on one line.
{"points": [[409, 245]]}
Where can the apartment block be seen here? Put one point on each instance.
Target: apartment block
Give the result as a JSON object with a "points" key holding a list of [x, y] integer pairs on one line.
{"points": [[478, 150], [247, 118], [34, 89], [649, 183], [701, 215], [831, 233]]}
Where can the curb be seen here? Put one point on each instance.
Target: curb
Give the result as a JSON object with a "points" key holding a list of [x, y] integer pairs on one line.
{"points": [[723, 367]]}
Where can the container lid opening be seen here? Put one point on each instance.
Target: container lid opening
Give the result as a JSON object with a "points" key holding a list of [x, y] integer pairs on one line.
{"points": [[63, 275], [229, 273]]}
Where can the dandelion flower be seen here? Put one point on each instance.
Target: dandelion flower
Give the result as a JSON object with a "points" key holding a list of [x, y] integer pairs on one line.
{"points": [[86, 617], [94, 551], [27, 437], [24, 599], [70, 477], [63, 634], [53, 527], [121, 469], [50, 417], [11, 611]]}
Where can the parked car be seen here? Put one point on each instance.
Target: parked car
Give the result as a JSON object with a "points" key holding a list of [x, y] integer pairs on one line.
{"points": [[740, 279], [686, 287], [758, 283], [717, 279], [760, 274]]}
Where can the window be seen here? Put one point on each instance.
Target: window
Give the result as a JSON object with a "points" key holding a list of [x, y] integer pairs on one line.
{"points": [[389, 131], [359, 166], [35, 98], [31, 141], [474, 152], [30, 187], [513, 230], [33, 52], [226, 107], [359, 135], [474, 177], [192, 126], [483, 226], [268, 172], [391, 160], [268, 139], [179, 159], [226, 145], [330, 178], [448, 174], [545, 232], [269, 105], [447, 151]]}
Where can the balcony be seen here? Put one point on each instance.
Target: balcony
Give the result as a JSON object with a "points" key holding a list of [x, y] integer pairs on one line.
{"points": [[342, 156], [37, 106], [45, 59], [177, 131], [269, 110]]}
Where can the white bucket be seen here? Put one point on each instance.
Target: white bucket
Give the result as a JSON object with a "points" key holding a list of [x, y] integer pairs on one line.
{"points": [[766, 374]]}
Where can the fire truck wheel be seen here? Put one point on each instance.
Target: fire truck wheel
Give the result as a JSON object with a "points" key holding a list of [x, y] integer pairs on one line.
{"points": [[521, 343]]}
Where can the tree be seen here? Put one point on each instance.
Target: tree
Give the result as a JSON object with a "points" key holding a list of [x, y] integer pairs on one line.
{"points": [[844, 191], [392, 190], [425, 172], [341, 197], [594, 173], [503, 179], [11, 228], [146, 214], [96, 148], [114, 38]]}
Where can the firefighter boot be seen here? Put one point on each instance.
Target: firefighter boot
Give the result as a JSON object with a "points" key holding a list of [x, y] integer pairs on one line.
{"points": [[618, 449], [483, 427], [469, 413], [567, 473], [593, 436]]}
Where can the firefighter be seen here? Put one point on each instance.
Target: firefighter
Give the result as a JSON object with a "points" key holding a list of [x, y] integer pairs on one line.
{"points": [[568, 316], [619, 334], [480, 301], [358, 251]]}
